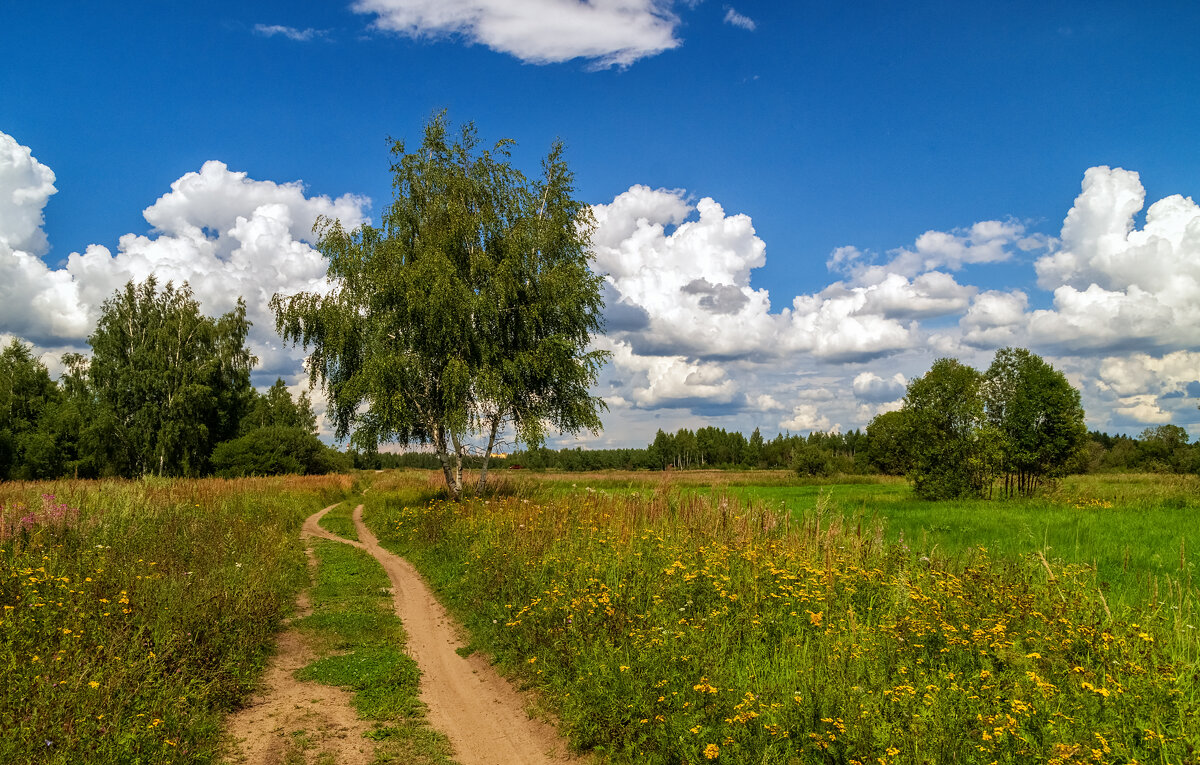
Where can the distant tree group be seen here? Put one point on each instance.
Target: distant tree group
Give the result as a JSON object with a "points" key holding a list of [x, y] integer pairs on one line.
{"points": [[708, 448], [165, 392], [1158, 449], [1019, 423]]}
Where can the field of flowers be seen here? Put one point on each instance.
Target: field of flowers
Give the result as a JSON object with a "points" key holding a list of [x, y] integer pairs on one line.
{"points": [[669, 627], [135, 614]]}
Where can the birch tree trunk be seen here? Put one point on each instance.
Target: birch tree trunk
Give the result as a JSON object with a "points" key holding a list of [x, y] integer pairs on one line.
{"points": [[487, 454]]}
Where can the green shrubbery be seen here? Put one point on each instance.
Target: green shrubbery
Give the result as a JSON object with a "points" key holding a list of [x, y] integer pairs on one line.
{"points": [[275, 451]]}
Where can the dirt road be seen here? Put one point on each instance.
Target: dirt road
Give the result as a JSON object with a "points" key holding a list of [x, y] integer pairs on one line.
{"points": [[298, 721], [480, 712]]}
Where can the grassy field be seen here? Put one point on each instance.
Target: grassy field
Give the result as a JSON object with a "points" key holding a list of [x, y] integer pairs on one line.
{"points": [[769, 621], [136, 614], [686, 617], [1140, 532]]}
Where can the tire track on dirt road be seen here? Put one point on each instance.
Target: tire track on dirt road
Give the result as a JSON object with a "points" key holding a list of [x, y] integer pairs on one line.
{"points": [[313, 720], [480, 712]]}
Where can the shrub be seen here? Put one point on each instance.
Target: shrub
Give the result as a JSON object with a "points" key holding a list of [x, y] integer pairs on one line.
{"points": [[274, 451], [811, 460]]}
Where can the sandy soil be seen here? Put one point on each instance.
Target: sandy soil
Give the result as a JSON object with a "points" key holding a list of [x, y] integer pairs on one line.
{"points": [[479, 711], [310, 718]]}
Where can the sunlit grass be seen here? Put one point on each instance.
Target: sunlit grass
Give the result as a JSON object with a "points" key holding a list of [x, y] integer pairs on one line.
{"points": [[667, 626], [135, 614]]}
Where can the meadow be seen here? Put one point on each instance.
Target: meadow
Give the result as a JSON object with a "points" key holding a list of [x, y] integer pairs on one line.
{"points": [[1138, 531], [136, 614], [689, 617], [769, 621]]}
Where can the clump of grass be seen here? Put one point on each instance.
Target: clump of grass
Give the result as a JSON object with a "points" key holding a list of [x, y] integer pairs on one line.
{"points": [[135, 614], [340, 521], [353, 619], [671, 627]]}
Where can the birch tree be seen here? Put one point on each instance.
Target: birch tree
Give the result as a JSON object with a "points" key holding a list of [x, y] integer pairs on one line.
{"points": [[169, 381], [470, 309]]}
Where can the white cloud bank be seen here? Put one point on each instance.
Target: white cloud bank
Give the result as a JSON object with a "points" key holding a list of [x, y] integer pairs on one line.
{"points": [[606, 32], [689, 280], [1126, 304], [694, 341], [1118, 287]]}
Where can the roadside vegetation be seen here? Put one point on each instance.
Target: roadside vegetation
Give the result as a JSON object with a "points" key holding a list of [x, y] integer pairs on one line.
{"points": [[136, 614], [671, 625]]}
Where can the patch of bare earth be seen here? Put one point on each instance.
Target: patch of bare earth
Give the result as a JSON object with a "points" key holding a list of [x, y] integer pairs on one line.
{"points": [[290, 722]]}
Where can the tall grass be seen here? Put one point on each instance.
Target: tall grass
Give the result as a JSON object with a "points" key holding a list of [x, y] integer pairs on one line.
{"points": [[672, 627], [1140, 533], [136, 613]]}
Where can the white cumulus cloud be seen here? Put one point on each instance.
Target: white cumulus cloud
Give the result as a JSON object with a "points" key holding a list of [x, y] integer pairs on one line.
{"points": [[686, 269], [672, 380], [807, 418], [872, 388], [1141, 372], [223, 233], [1117, 286], [988, 241], [995, 319], [606, 32], [25, 186]]}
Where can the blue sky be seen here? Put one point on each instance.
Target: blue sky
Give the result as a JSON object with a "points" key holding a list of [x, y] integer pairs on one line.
{"points": [[813, 126]]}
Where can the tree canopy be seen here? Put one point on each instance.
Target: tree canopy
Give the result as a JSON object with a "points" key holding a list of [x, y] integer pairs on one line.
{"points": [[170, 382], [471, 307], [1037, 415], [944, 418], [1021, 420], [29, 409]]}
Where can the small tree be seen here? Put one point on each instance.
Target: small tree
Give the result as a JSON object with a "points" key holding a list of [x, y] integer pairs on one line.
{"points": [[1038, 416], [887, 443], [953, 455], [30, 441], [473, 305], [809, 459], [754, 449]]}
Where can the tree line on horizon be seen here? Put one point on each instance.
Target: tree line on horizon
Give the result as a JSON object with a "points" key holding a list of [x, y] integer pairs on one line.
{"points": [[1159, 449]]}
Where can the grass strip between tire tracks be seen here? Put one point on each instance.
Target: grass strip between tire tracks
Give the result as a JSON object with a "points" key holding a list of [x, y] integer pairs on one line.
{"points": [[362, 644]]}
